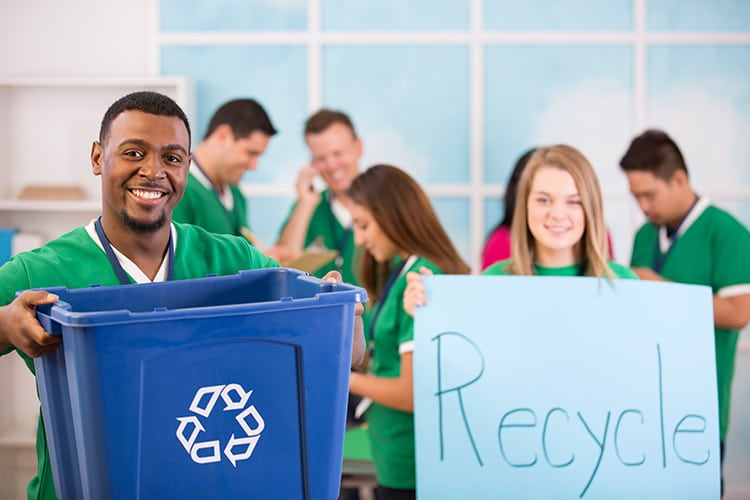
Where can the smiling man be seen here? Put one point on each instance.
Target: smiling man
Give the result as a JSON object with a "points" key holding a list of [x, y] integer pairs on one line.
{"points": [[319, 219], [689, 240], [142, 157], [237, 135]]}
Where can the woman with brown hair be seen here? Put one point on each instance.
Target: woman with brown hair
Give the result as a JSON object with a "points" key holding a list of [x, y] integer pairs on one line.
{"points": [[398, 230]]}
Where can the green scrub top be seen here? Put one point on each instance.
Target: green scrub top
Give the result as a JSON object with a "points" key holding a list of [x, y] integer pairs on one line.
{"points": [[712, 249], [74, 260]]}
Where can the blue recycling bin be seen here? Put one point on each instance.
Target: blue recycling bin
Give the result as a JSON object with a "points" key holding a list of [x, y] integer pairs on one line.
{"points": [[218, 387]]}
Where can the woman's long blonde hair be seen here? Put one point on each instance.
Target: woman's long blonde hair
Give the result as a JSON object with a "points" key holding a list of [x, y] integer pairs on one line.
{"points": [[593, 243]]}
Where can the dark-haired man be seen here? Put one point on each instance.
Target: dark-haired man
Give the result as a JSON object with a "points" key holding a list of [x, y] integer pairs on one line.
{"points": [[237, 135], [319, 219], [142, 157], [689, 240]]}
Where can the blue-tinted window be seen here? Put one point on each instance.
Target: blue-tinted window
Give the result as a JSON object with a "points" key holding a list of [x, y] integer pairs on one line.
{"points": [[382, 15], [267, 214], [701, 96], [568, 15], [276, 76], [544, 94], [410, 105], [698, 15], [493, 212], [232, 15], [454, 216]]}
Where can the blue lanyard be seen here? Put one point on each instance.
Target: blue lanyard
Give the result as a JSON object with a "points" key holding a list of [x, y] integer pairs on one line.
{"points": [[119, 271], [659, 258], [384, 294], [214, 187]]}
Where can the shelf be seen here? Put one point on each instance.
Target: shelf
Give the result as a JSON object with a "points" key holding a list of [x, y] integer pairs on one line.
{"points": [[18, 438], [64, 115], [83, 206], [61, 114]]}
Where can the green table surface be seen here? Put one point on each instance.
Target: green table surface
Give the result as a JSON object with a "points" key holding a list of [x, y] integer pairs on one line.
{"points": [[357, 444], [357, 454]]}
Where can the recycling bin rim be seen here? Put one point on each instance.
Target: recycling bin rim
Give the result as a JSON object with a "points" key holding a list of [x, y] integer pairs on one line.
{"points": [[62, 311]]}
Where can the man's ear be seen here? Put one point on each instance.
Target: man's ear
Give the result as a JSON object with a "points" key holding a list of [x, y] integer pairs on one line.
{"points": [[679, 178], [97, 153], [224, 132]]}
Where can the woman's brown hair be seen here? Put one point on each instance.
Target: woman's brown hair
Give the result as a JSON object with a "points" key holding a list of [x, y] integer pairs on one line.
{"points": [[404, 213]]}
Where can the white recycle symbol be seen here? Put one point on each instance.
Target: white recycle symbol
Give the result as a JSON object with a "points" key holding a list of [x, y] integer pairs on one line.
{"points": [[197, 450]]}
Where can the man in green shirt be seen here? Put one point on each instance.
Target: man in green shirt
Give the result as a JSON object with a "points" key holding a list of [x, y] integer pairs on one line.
{"points": [[689, 240], [318, 219], [142, 157], [237, 135]]}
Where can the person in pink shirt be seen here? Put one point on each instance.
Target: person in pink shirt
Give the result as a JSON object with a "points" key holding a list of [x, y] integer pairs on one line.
{"points": [[497, 245]]}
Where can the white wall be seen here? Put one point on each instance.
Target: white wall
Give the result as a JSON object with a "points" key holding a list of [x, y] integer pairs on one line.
{"points": [[76, 37]]}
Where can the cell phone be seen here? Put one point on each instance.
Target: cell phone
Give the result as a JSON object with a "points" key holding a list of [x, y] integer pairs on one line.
{"points": [[318, 184]]}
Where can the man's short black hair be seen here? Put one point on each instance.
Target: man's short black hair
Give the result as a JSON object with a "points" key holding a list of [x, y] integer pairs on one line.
{"points": [[654, 151], [149, 102], [244, 116]]}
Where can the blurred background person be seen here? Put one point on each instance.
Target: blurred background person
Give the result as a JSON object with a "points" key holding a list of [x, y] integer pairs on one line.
{"points": [[319, 220], [687, 239], [398, 230]]}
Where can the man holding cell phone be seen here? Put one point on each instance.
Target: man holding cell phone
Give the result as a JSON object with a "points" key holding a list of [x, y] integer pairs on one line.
{"points": [[318, 220]]}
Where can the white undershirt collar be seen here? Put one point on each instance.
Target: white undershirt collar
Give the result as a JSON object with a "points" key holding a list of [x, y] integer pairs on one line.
{"points": [[128, 265], [225, 197], [340, 212], [665, 242]]}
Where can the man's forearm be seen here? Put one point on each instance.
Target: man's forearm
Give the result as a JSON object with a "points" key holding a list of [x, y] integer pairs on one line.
{"points": [[358, 342], [295, 231]]}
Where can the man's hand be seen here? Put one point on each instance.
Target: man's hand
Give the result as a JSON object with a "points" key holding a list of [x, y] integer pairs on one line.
{"points": [[358, 339], [19, 326], [280, 254], [292, 236], [306, 193]]}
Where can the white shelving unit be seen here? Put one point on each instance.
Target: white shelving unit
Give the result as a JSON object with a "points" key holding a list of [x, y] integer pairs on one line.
{"points": [[47, 126], [18, 420]]}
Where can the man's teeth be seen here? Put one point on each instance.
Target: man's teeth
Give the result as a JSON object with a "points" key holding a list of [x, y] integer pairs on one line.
{"points": [[148, 195]]}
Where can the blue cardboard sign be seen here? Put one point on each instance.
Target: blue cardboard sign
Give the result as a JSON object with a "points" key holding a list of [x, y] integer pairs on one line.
{"points": [[552, 387]]}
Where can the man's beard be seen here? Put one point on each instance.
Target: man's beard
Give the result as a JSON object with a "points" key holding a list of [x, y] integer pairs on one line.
{"points": [[141, 227]]}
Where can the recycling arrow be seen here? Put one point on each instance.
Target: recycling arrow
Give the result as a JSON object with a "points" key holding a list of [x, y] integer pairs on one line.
{"points": [[249, 419]]}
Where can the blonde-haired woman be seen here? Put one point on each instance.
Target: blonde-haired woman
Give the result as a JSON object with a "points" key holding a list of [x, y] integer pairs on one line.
{"points": [[558, 228]]}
